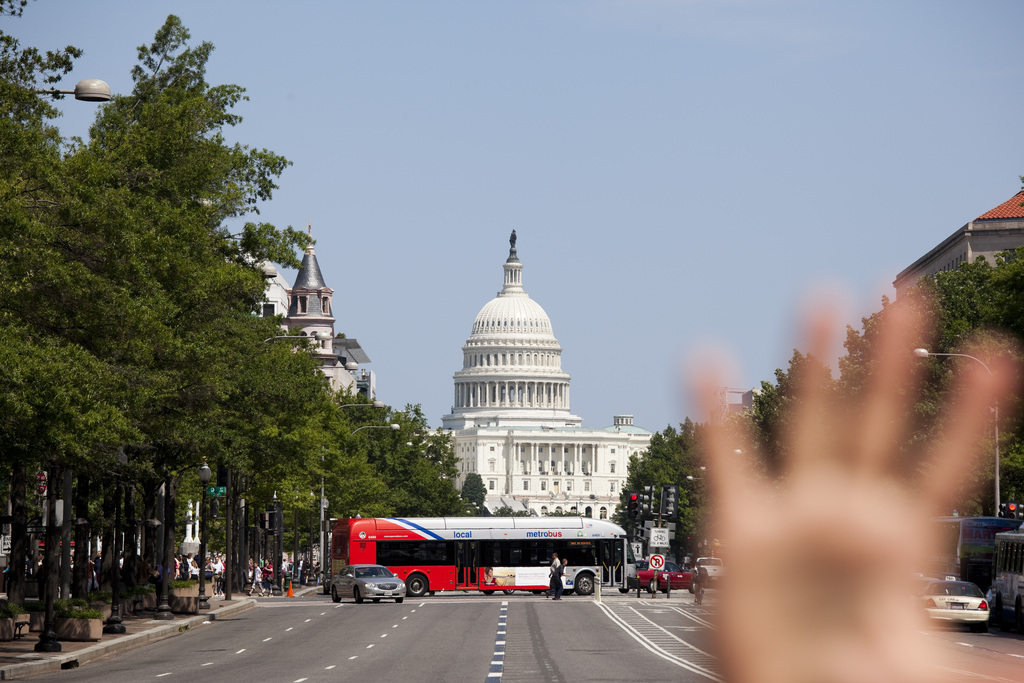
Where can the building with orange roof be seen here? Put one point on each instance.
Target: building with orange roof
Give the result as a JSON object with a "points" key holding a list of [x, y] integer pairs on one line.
{"points": [[994, 231]]}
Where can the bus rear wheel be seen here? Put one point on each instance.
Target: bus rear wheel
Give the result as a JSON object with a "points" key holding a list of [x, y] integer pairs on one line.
{"points": [[416, 586], [584, 584]]}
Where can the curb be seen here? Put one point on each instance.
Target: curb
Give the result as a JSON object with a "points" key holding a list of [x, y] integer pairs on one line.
{"points": [[130, 641]]}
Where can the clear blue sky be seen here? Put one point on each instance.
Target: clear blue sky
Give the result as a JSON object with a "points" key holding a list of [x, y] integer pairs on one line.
{"points": [[678, 172]]}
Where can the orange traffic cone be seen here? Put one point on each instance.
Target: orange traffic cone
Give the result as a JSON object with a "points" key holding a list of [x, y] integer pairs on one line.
{"points": [[290, 593]]}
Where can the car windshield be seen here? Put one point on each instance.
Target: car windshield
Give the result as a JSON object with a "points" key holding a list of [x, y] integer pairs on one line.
{"points": [[957, 588], [372, 572], [711, 562]]}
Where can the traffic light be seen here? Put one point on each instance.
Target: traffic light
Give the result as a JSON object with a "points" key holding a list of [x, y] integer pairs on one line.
{"points": [[271, 517], [1014, 510], [632, 505], [648, 501], [670, 500], [1003, 512]]}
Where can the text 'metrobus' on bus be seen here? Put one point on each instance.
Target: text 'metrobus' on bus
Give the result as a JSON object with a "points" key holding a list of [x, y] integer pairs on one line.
{"points": [[967, 548], [486, 553]]}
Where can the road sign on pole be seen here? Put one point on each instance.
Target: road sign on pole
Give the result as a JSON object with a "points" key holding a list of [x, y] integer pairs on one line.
{"points": [[216, 491], [659, 538], [657, 561]]}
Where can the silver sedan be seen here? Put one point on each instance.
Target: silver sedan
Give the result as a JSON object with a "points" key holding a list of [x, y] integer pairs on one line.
{"points": [[372, 581]]}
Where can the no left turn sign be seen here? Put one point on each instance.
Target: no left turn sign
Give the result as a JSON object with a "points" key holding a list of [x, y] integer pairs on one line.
{"points": [[657, 561]]}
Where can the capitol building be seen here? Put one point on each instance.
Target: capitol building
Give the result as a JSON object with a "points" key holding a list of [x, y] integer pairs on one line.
{"points": [[511, 423]]}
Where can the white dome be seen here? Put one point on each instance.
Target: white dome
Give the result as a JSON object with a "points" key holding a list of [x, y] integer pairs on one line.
{"points": [[512, 315]]}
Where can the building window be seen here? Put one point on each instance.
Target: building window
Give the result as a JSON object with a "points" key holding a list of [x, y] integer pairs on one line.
{"points": [[586, 486], [611, 487], [613, 450], [490, 465], [543, 510], [492, 449], [589, 511], [490, 484], [568, 486], [543, 486], [611, 467], [268, 310], [604, 512], [526, 484], [302, 304]]}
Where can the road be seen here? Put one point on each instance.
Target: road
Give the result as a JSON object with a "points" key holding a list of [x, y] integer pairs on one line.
{"points": [[493, 639], [522, 637]]}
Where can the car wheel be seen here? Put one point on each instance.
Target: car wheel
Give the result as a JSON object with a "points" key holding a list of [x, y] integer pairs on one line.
{"points": [[375, 600], [980, 627], [334, 594], [416, 586], [584, 584], [357, 595], [398, 601]]}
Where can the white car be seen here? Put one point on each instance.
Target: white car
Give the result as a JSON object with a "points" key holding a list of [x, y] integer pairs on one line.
{"points": [[959, 602]]}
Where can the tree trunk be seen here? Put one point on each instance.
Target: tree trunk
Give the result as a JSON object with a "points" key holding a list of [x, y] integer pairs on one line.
{"points": [[108, 559], [49, 582], [19, 536], [133, 572], [80, 582], [150, 534], [170, 504]]}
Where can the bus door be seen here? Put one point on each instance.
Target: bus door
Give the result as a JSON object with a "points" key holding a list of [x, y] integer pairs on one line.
{"points": [[612, 562], [467, 563]]}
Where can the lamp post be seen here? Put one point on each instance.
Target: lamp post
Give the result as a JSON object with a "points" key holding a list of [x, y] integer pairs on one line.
{"points": [[204, 479], [89, 90], [924, 353], [324, 557], [114, 624]]}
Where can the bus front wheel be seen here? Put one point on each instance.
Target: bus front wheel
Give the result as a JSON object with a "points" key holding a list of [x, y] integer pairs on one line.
{"points": [[584, 584], [416, 586]]}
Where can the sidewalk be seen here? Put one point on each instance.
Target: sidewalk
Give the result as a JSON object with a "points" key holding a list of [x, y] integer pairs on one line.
{"points": [[18, 658]]}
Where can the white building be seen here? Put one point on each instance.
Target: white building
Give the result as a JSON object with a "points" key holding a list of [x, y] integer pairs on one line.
{"points": [[307, 310], [511, 423]]}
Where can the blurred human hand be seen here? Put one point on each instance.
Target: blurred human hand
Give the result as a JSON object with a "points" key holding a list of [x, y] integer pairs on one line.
{"points": [[820, 566]]}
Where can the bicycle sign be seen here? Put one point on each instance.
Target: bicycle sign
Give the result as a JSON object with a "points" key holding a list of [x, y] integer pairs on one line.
{"points": [[657, 561]]}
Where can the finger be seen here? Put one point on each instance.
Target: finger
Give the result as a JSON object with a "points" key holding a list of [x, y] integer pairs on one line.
{"points": [[891, 390], [811, 429], [967, 421], [729, 470]]}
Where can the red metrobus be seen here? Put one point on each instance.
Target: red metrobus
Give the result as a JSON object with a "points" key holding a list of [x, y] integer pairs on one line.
{"points": [[486, 553]]}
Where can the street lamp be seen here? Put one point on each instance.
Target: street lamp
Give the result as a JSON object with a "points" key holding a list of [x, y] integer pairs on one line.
{"points": [[204, 479], [924, 353], [89, 90], [114, 624]]}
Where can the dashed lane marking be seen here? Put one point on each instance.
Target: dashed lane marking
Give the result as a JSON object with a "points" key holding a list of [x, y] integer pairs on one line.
{"points": [[497, 666], [266, 639], [240, 651], [288, 629]]}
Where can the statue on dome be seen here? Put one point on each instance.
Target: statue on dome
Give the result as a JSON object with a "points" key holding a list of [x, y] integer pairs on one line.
{"points": [[512, 239]]}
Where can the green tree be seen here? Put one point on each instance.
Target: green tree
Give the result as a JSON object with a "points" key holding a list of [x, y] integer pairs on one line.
{"points": [[473, 490]]}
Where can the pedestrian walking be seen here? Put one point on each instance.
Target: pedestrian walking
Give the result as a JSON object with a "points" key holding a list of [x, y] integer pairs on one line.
{"points": [[555, 563], [559, 572]]}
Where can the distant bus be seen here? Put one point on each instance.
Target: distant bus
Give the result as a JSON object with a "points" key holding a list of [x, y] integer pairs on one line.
{"points": [[1007, 586], [967, 549], [486, 553]]}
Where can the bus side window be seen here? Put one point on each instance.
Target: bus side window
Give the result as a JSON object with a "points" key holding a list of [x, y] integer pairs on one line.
{"points": [[515, 557]]}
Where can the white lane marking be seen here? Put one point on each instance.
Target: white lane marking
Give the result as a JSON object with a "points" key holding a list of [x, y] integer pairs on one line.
{"points": [[240, 651], [288, 629], [965, 644], [300, 680], [405, 617], [383, 635], [323, 613], [499, 642], [369, 646], [162, 675], [422, 604], [266, 639], [207, 664], [308, 620], [1013, 655], [395, 626]]}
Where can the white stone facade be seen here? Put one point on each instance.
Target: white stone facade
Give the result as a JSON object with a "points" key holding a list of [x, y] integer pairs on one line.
{"points": [[511, 421]]}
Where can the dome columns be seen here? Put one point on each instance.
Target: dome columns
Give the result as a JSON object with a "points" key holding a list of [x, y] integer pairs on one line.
{"points": [[511, 394]]}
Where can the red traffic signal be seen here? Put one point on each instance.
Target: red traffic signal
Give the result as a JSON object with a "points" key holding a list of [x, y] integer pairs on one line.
{"points": [[633, 505]]}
